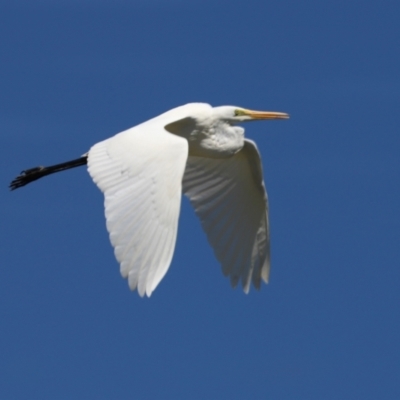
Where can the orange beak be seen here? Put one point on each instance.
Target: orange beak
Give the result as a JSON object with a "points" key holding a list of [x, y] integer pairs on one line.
{"points": [[265, 114]]}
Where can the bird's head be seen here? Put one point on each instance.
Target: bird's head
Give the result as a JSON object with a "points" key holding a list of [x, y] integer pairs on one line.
{"points": [[235, 115]]}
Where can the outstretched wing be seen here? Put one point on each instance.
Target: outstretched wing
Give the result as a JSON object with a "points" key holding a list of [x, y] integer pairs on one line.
{"points": [[230, 199], [140, 173]]}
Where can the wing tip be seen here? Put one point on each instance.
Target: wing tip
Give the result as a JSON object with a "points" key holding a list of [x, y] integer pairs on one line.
{"points": [[265, 271]]}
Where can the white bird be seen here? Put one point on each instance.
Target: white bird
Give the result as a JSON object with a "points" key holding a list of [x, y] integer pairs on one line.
{"points": [[194, 149]]}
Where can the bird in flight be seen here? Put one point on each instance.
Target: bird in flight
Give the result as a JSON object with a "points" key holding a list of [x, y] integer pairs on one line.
{"points": [[197, 150]]}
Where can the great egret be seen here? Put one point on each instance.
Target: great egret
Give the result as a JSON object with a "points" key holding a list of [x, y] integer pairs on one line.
{"points": [[194, 149]]}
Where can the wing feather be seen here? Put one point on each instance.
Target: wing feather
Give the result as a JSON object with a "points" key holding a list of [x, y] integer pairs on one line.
{"points": [[140, 173], [230, 199]]}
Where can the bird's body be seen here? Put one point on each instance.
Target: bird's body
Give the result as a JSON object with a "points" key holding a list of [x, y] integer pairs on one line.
{"points": [[194, 149]]}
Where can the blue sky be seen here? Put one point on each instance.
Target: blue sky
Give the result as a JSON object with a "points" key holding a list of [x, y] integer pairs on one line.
{"points": [[327, 326]]}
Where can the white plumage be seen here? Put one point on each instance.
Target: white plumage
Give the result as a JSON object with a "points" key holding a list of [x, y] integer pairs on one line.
{"points": [[140, 172], [140, 175]]}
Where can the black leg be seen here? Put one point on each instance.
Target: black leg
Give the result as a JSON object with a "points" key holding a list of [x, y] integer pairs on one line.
{"points": [[32, 174]]}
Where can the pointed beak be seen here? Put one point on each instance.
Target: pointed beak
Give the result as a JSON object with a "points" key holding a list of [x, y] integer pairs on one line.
{"points": [[265, 114]]}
